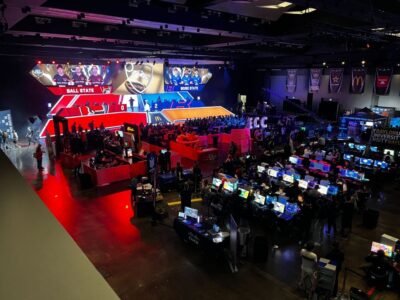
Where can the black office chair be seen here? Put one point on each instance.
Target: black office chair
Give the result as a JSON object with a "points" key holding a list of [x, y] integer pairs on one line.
{"points": [[378, 277]]}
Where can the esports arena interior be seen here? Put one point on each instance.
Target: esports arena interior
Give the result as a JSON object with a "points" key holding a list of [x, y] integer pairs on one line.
{"points": [[185, 149]]}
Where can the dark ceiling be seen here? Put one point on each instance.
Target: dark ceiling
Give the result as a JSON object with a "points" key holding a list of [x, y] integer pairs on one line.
{"points": [[248, 31]]}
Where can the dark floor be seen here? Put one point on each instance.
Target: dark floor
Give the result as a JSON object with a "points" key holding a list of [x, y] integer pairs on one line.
{"points": [[150, 262]]}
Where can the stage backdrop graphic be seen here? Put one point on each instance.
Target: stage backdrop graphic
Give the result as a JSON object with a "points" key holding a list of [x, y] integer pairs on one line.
{"points": [[382, 80], [146, 78], [357, 80], [386, 137], [63, 79], [185, 78], [315, 80], [291, 80], [6, 123], [335, 80]]}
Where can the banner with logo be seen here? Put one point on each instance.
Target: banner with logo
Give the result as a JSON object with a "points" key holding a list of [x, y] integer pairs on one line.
{"points": [[335, 80], [357, 80], [291, 80], [382, 80], [386, 137], [315, 80]]}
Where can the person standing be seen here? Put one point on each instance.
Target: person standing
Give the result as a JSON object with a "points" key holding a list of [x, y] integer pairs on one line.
{"points": [[38, 155], [15, 138], [29, 135], [4, 137], [308, 262], [167, 155], [186, 196]]}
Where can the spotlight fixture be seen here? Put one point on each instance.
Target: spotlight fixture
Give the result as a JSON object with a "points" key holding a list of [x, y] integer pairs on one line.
{"points": [[343, 62], [117, 61], [363, 62], [39, 62], [53, 62], [324, 63], [108, 62]]}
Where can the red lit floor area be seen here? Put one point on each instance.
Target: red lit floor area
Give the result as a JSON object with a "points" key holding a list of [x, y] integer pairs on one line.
{"points": [[141, 261]]}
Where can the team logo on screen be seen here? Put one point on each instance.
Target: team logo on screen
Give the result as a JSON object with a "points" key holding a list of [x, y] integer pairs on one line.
{"points": [[138, 77]]}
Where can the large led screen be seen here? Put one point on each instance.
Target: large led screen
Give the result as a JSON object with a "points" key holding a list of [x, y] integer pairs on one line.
{"points": [[72, 75], [185, 78]]}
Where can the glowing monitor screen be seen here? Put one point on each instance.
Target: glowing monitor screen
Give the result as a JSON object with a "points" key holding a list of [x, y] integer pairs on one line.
{"points": [[271, 199], [333, 190], [375, 247], [279, 207], [292, 208], [293, 160], [323, 190], [347, 157], [185, 78], [273, 173], [260, 169], [366, 161], [374, 149], [395, 122], [303, 184], [243, 193], [216, 182], [388, 151], [229, 186], [191, 212], [288, 178], [381, 164], [259, 199]]}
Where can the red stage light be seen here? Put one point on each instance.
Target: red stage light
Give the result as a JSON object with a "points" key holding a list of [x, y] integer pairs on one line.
{"points": [[108, 62], [53, 62], [117, 61], [39, 62], [126, 206]]}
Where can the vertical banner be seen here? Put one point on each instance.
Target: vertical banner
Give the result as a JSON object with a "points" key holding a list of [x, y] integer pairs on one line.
{"points": [[291, 80], [357, 80], [382, 80], [335, 80], [315, 80]]}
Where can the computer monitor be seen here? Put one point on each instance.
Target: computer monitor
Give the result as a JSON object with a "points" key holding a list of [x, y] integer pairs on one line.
{"points": [[366, 161], [279, 207], [381, 164], [325, 167], [308, 178], [333, 190], [291, 208], [395, 122], [374, 149], [260, 199], [351, 145], [386, 151], [229, 186], [348, 157], [273, 173], [323, 190], [288, 178], [375, 247], [360, 147], [343, 172], [312, 184], [270, 199], [163, 151], [293, 160], [296, 176], [216, 182], [282, 199], [243, 193], [191, 212], [260, 169], [303, 184], [324, 182]]}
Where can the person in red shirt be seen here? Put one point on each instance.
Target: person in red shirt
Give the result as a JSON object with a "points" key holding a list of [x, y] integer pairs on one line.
{"points": [[39, 156]]}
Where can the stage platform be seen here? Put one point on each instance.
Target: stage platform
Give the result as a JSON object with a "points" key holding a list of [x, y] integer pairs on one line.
{"points": [[174, 115]]}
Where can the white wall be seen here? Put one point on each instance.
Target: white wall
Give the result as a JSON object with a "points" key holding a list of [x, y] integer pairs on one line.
{"points": [[344, 97]]}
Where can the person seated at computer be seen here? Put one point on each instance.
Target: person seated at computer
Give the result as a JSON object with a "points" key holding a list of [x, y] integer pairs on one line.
{"points": [[380, 269], [293, 192]]}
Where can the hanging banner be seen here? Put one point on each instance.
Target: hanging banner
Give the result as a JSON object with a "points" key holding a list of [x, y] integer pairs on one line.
{"points": [[291, 80], [357, 80], [335, 80], [315, 80], [386, 137], [382, 80]]}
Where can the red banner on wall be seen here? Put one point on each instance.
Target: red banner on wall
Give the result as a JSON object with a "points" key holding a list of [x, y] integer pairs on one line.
{"points": [[382, 80]]}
